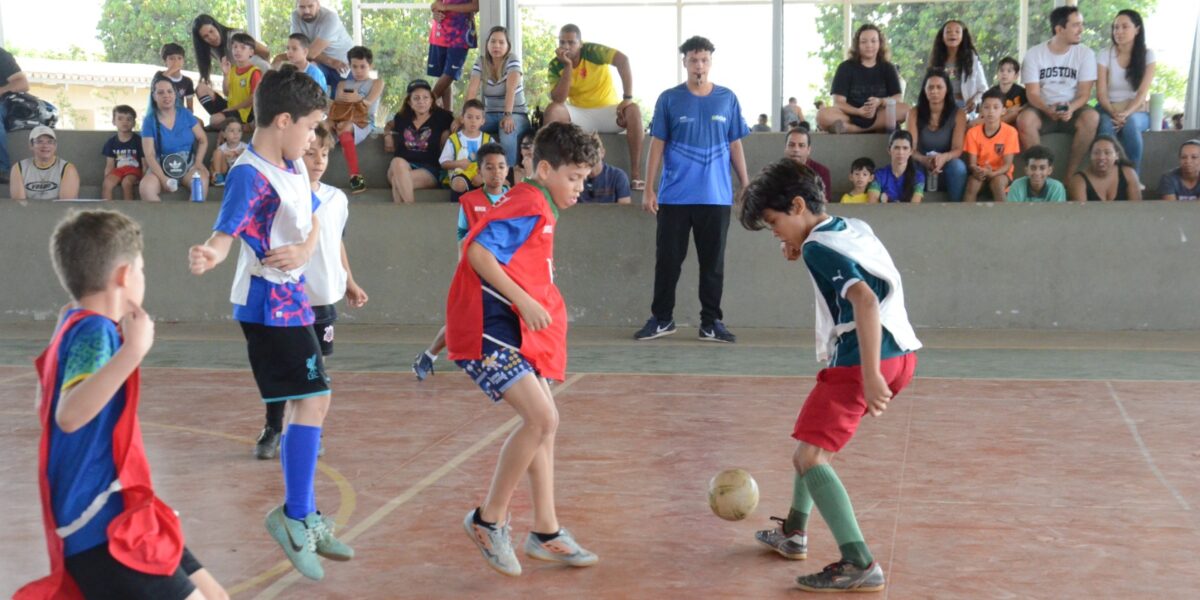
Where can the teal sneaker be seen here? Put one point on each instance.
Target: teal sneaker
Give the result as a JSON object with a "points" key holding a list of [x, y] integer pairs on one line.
{"points": [[327, 545], [495, 543], [563, 549], [299, 542]]}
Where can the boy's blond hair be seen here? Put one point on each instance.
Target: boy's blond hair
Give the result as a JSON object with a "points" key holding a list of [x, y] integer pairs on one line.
{"points": [[88, 244], [325, 136]]}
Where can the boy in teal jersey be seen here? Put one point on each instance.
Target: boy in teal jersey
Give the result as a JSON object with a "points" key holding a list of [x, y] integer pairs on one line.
{"points": [[864, 334]]}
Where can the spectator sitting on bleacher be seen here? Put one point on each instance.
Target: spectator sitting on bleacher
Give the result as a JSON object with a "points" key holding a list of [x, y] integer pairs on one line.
{"points": [[1007, 75], [938, 127], [584, 93], [329, 42], [523, 169], [240, 82], [990, 147], [862, 87], [762, 126], [1122, 91], [14, 81], [355, 102], [1183, 183], [606, 183], [954, 52], [498, 72], [1108, 175], [459, 155], [211, 39], [901, 180], [416, 137], [227, 153], [123, 155], [173, 142], [862, 173], [1037, 185], [791, 114], [798, 147], [297, 55], [44, 176], [185, 88]]}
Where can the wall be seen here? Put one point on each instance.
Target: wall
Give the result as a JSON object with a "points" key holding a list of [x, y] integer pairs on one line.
{"points": [[1086, 267]]}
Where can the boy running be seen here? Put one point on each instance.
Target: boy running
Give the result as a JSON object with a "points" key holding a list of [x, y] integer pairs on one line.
{"points": [[864, 334]]}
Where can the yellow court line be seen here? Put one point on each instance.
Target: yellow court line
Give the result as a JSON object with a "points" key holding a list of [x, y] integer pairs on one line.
{"points": [[283, 583]]}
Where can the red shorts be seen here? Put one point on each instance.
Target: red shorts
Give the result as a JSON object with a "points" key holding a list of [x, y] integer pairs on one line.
{"points": [[836, 405], [123, 172]]}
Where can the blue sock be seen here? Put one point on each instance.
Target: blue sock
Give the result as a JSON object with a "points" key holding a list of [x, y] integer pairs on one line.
{"points": [[299, 458]]}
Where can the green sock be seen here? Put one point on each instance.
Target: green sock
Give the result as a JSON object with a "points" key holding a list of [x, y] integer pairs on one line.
{"points": [[830, 496], [802, 503]]}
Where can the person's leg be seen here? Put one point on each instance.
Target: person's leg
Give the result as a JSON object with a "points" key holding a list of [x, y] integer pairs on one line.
{"points": [[150, 188], [459, 184], [443, 90], [1131, 138], [881, 117], [539, 420], [955, 175], [972, 189], [207, 586], [1105, 125], [107, 187], [400, 175], [345, 131], [556, 112], [830, 497], [332, 77], [1086, 121], [1029, 128], [710, 226], [834, 120], [219, 166], [129, 183], [998, 185], [671, 244], [632, 122], [541, 478]]}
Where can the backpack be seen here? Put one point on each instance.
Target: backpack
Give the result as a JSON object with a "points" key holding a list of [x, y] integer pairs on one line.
{"points": [[26, 112]]}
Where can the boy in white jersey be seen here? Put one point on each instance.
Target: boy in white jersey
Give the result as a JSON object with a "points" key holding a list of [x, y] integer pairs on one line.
{"points": [[864, 334]]}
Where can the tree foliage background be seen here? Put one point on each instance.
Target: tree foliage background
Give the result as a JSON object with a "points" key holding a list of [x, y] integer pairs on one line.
{"points": [[910, 29]]}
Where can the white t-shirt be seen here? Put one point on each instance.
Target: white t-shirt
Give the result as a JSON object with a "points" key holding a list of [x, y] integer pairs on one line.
{"points": [[1059, 75], [470, 145], [224, 147], [325, 278], [1119, 89]]}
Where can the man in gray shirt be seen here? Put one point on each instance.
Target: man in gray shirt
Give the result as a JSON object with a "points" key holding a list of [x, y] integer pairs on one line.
{"points": [[330, 40]]}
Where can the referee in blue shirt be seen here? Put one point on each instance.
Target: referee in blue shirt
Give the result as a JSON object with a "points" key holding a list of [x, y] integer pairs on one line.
{"points": [[696, 136]]}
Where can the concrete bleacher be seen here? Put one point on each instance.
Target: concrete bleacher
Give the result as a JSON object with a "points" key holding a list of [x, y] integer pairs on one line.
{"points": [[835, 151]]}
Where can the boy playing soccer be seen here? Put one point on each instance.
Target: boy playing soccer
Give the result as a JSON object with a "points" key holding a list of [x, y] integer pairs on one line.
{"points": [[862, 173], [864, 334], [1037, 185], [122, 155], [353, 112], [108, 534], [1013, 92], [460, 154], [990, 147], [506, 326], [269, 204], [240, 83], [471, 207], [185, 88]]}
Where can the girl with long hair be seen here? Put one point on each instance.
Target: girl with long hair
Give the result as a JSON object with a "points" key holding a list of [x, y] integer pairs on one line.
{"points": [[954, 52], [498, 70], [1124, 74]]}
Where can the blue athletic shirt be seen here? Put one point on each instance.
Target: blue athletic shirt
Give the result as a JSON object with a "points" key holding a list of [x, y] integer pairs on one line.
{"points": [[834, 274], [886, 182], [317, 75], [462, 216], [697, 131], [176, 139], [247, 212], [503, 238], [80, 464]]}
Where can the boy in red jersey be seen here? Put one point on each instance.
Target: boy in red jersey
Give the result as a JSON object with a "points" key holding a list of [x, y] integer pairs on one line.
{"points": [[506, 326]]}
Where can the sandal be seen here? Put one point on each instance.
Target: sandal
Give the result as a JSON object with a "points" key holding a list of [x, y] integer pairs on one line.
{"points": [[637, 185]]}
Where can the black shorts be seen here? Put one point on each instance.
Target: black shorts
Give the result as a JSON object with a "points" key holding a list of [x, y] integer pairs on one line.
{"points": [[324, 317], [236, 115], [100, 576], [286, 362]]}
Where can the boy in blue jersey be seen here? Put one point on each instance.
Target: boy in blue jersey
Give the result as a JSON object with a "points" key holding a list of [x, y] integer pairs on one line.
{"points": [[864, 334], [269, 204], [697, 132], [108, 535]]}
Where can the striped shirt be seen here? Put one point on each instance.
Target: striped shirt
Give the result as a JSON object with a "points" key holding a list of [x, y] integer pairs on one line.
{"points": [[494, 90]]}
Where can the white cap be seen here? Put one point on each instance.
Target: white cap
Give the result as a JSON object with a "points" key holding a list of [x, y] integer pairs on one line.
{"points": [[39, 131]]}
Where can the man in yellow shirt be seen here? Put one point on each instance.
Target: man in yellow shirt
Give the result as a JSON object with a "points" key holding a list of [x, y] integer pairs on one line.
{"points": [[584, 94]]}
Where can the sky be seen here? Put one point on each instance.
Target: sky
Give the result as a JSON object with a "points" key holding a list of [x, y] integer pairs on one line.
{"points": [[741, 61]]}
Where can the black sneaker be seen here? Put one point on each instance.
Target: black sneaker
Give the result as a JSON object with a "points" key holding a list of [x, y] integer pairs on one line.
{"points": [[267, 445], [358, 184], [843, 576], [654, 329], [716, 333]]}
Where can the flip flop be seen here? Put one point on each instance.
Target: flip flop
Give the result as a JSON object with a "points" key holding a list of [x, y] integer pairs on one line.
{"points": [[637, 185]]}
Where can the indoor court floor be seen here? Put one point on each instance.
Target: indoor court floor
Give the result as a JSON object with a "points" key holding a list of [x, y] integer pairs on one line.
{"points": [[1017, 465]]}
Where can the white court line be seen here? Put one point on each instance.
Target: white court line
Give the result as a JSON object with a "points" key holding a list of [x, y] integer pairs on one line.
{"points": [[912, 407], [1137, 437]]}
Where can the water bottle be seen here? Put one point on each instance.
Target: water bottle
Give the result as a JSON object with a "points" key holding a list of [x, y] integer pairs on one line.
{"points": [[931, 178], [890, 121], [197, 188]]}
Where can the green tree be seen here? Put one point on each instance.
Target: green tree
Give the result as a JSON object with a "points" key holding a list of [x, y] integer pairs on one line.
{"points": [[133, 31], [910, 29]]}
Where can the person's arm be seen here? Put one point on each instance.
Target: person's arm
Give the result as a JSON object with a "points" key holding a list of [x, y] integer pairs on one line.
{"points": [[868, 325], [978, 85], [375, 93], [262, 51], [84, 401], [1077, 188], [17, 83], [511, 83], [562, 87], [918, 189], [485, 264], [205, 257], [914, 130], [840, 103], [622, 187], [957, 139], [69, 188], [738, 158], [1006, 163], [347, 94], [355, 295], [650, 194], [1083, 93], [389, 142], [1133, 186], [16, 184], [875, 193], [1143, 92], [621, 62], [1170, 197], [1102, 89], [473, 85], [1033, 93], [294, 256]]}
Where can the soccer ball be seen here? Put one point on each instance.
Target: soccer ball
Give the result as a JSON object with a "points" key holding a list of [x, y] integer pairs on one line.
{"points": [[732, 494]]}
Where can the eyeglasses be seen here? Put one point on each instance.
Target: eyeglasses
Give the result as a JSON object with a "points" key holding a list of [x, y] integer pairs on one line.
{"points": [[45, 142]]}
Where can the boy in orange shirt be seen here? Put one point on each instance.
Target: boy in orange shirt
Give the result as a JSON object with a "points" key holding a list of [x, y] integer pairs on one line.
{"points": [[989, 148]]}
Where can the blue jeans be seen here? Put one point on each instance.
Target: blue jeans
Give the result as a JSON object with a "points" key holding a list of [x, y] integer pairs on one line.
{"points": [[332, 78], [4, 160], [954, 179], [510, 141], [1130, 135]]}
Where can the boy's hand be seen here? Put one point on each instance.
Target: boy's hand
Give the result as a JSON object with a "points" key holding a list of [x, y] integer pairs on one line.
{"points": [[876, 392], [287, 258], [650, 201], [536, 318], [356, 297], [138, 329], [201, 259], [790, 251]]}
